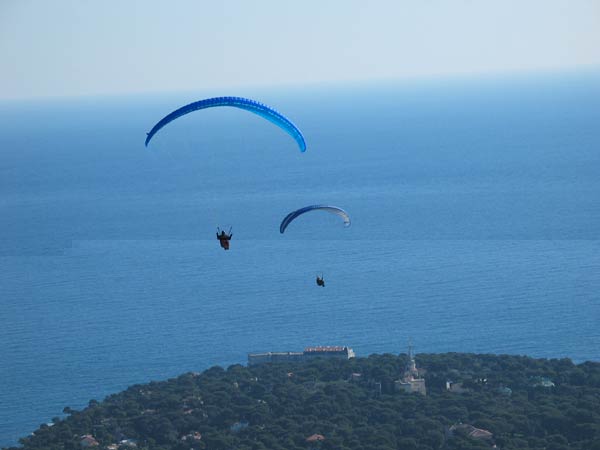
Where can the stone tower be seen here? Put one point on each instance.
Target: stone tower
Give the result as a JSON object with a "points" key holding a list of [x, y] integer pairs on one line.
{"points": [[410, 381]]}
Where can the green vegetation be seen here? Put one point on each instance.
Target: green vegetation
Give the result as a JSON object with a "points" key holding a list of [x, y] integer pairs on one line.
{"points": [[278, 406]]}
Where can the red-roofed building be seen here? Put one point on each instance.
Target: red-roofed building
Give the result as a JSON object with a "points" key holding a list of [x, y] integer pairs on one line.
{"points": [[315, 438], [195, 436], [87, 440], [325, 348], [329, 352], [472, 432]]}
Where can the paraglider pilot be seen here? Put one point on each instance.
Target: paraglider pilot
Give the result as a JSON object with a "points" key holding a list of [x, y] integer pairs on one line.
{"points": [[224, 238], [320, 281]]}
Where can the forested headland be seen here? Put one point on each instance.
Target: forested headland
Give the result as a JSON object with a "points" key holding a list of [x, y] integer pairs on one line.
{"points": [[473, 402]]}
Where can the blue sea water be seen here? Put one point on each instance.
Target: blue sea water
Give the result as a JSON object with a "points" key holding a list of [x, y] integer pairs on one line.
{"points": [[476, 228]]}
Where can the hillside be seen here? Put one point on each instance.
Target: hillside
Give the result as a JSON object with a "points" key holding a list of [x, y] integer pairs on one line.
{"points": [[512, 402]]}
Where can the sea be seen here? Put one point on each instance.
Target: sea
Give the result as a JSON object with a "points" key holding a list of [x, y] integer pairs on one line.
{"points": [[475, 207]]}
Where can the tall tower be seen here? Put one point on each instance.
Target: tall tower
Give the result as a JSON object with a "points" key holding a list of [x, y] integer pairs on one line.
{"points": [[411, 372], [410, 381]]}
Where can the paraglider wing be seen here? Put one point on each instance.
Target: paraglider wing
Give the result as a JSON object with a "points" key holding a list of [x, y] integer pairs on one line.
{"points": [[237, 102], [332, 209]]}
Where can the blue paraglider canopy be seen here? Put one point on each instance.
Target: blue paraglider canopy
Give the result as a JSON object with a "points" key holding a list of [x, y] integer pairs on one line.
{"points": [[237, 102], [332, 209]]}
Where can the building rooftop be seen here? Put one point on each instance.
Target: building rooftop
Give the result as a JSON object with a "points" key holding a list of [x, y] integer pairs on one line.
{"points": [[315, 437], [335, 348], [476, 433]]}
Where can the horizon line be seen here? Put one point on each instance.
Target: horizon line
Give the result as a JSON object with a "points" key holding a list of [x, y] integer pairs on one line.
{"points": [[589, 69]]}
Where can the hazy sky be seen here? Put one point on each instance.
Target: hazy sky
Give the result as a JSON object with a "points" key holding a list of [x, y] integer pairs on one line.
{"points": [[59, 47]]}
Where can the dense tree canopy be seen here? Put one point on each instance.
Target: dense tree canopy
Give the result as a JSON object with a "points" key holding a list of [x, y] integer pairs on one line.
{"points": [[280, 406]]}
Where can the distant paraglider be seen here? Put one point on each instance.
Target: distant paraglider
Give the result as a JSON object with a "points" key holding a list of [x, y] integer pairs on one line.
{"points": [[237, 102], [328, 208], [320, 281], [332, 209], [224, 238]]}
